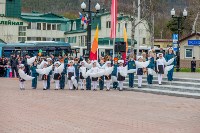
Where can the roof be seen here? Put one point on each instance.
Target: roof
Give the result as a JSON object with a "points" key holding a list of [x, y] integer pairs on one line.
{"points": [[162, 40], [75, 31], [38, 44], [189, 36], [106, 40], [47, 17]]}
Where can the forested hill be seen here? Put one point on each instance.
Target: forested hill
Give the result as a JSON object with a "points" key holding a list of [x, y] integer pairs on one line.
{"points": [[73, 6]]}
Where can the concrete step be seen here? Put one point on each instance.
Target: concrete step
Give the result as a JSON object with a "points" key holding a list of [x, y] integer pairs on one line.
{"points": [[177, 83], [168, 87], [165, 92], [174, 79]]}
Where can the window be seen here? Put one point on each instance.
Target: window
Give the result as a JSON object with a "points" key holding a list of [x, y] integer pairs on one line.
{"points": [[38, 38], [29, 26], [33, 26], [108, 24], [38, 26], [126, 25], [58, 26], [48, 26], [118, 27], [188, 53], [22, 31], [53, 26], [44, 39], [74, 26], [44, 25], [144, 41], [21, 39]]}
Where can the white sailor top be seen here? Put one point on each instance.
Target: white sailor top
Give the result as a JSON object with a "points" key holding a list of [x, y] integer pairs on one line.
{"points": [[71, 69], [94, 70]]}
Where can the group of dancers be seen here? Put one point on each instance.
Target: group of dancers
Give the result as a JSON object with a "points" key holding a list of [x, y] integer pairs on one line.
{"points": [[87, 75]]}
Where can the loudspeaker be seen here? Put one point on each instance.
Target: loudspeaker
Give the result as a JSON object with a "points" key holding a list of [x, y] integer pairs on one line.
{"points": [[122, 47]]}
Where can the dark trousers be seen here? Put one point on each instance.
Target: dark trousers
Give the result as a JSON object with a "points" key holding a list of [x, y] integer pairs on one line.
{"points": [[88, 83], [101, 83], [131, 80], [62, 81], [170, 75], [34, 81], [15, 70], [193, 69], [48, 81], [150, 79]]}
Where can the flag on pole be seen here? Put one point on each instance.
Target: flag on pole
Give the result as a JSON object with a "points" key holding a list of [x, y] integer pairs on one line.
{"points": [[126, 41], [113, 18], [94, 49]]}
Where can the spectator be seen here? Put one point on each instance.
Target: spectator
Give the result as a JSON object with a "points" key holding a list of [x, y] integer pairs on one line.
{"points": [[193, 65], [14, 63]]}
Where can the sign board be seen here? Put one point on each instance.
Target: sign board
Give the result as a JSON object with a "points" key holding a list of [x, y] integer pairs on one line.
{"points": [[194, 42], [175, 41]]}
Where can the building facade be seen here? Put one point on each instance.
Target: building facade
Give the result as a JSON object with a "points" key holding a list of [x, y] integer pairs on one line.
{"points": [[189, 48]]}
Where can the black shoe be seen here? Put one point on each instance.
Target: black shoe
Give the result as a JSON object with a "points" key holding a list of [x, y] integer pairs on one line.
{"points": [[160, 84], [139, 87], [44, 89]]}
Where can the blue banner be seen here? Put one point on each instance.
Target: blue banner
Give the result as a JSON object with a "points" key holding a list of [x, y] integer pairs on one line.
{"points": [[0, 51], [194, 42]]}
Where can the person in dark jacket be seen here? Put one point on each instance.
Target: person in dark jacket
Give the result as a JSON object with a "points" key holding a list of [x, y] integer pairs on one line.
{"points": [[193, 65], [14, 63], [34, 74]]}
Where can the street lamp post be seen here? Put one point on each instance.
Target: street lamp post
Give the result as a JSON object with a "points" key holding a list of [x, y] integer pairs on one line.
{"points": [[178, 19], [89, 27]]}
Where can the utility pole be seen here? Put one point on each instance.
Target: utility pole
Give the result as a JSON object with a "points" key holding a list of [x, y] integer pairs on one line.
{"points": [[138, 28]]}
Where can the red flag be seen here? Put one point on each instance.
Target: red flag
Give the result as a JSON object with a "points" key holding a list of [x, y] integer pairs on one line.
{"points": [[113, 18], [93, 52]]}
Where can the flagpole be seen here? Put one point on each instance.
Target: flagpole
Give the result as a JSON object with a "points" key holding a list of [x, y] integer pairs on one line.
{"points": [[113, 48]]}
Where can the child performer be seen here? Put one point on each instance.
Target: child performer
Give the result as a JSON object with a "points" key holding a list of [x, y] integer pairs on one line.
{"points": [[82, 79], [160, 67], [94, 69], [101, 80], [120, 78], [57, 75], [45, 77], [131, 65], [34, 74], [76, 66], [49, 60], [21, 80], [88, 79], [169, 56], [108, 77], [151, 66], [139, 69], [114, 73], [70, 73]]}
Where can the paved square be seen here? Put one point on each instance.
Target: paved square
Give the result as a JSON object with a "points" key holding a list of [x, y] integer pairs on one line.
{"points": [[64, 111]]}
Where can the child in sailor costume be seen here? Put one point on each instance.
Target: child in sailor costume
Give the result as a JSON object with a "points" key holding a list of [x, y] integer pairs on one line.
{"points": [[150, 66], [57, 75], [139, 70], [21, 80], [70, 74], [34, 74], [45, 77], [82, 70], [108, 77], [94, 69], [120, 78], [160, 67]]}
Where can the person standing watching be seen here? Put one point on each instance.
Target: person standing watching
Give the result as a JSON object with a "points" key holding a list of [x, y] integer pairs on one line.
{"points": [[14, 64], [193, 65]]}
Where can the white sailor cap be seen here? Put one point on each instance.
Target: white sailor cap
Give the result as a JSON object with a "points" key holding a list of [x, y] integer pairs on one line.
{"points": [[49, 59], [94, 61], [45, 62], [57, 62], [120, 61], [71, 61], [108, 62], [21, 65], [138, 57], [159, 54], [169, 48]]}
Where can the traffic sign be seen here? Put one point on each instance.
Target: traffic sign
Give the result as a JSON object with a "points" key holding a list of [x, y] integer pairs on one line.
{"points": [[175, 41]]}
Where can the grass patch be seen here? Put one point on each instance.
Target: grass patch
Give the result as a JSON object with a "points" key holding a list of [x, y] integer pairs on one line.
{"points": [[187, 70]]}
